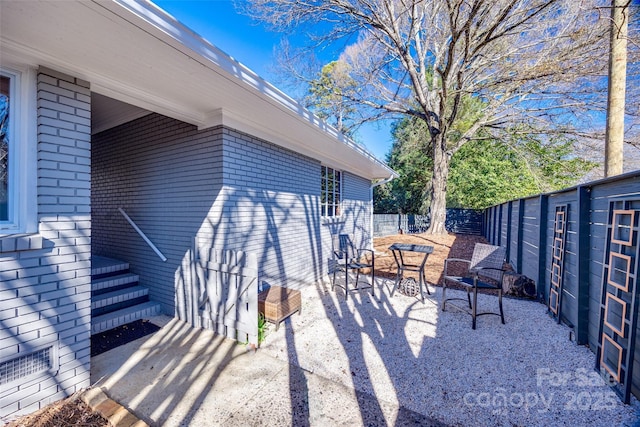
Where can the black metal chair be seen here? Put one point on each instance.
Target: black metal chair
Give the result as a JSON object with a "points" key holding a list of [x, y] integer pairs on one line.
{"points": [[485, 271], [346, 258]]}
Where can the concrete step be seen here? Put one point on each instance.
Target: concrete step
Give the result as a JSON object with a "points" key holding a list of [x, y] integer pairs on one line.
{"points": [[119, 296], [104, 284], [126, 315], [102, 265]]}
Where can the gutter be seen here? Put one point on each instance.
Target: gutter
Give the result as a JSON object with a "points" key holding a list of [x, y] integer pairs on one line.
{"points": [[384, 181]]}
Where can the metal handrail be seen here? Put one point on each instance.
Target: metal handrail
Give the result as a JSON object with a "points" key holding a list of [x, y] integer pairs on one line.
{"points": [[146, 239]]}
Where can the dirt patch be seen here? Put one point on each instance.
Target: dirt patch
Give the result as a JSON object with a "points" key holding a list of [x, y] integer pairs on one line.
{"points": [[67, 412], [445, 246]]}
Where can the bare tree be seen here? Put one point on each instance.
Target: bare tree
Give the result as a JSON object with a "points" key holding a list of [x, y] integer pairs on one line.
{"points": [[535, 63]]}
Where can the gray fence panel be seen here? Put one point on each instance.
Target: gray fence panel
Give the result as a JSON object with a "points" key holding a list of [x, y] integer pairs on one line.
{"points": [[504, 224], [491, 221], [601, 197], [521, 225], [570, 289], [530, 236], [464, 221], [514, 243]]}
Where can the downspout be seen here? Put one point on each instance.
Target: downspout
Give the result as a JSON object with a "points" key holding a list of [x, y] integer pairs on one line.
{"points": [[375, 184]]}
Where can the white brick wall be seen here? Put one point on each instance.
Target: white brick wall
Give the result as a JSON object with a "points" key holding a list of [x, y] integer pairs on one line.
{"points": [[45, 283]]}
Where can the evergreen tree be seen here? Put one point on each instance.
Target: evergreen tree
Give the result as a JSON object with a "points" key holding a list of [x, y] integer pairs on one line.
{"points": [[484, 172]]}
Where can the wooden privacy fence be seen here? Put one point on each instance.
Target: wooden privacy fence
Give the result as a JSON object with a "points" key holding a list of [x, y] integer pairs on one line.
{"points": [[463, 221], [227, 283], [581, 247]]}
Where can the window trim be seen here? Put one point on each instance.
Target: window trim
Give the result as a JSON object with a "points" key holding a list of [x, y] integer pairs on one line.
{"points": [[23, 163], [324, 202]]}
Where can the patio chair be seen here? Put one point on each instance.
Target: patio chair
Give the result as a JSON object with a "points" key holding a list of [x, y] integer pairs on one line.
{"points": [[485, 271], [347, 257]]}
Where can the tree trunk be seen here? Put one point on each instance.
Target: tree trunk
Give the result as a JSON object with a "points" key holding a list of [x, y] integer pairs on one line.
{"points": [[439, 187]]}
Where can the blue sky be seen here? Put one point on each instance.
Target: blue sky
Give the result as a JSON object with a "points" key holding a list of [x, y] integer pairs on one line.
{"points": [[251, 44]]}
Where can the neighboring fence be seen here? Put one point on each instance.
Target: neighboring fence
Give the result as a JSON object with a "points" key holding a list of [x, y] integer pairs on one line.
{"points": [[463, 221], [387, 224], [581, 246]]}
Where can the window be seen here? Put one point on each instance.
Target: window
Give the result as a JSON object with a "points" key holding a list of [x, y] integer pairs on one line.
{"points": [[330, 192], [6, 93], [18, 152]]}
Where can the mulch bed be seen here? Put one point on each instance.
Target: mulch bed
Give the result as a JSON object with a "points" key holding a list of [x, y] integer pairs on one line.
{"points": [[68, 412], [73, 411], [121, 335], [446, 246]]}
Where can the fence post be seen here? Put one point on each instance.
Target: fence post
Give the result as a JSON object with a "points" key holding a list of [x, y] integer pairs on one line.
{"points": [[509, 217], [520, 249], [487, 223], [542, 247], [500, 224], [492, 225], [494, 221], [584, 263], [483, 231]]}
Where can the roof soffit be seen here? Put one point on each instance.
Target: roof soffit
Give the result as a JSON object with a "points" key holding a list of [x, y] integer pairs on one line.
{"points": [[169, 70]]}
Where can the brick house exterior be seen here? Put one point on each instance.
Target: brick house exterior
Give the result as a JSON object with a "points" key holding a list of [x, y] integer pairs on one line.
{"points": [[244, 194], [102, 133], [45, 277]]}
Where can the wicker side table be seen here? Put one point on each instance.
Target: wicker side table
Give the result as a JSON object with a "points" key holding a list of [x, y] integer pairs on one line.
{"points": [[278, 303]]}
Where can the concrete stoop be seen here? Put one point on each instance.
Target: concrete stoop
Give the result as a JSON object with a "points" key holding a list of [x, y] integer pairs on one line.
{"points": [[116, 296]]}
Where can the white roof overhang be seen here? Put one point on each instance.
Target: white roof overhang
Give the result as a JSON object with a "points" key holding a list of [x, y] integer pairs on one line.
{"points": [[134, 52]]}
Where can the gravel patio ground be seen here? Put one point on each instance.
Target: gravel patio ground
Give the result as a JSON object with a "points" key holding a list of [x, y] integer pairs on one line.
{"points": [[404, 352], [368, 361]]}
